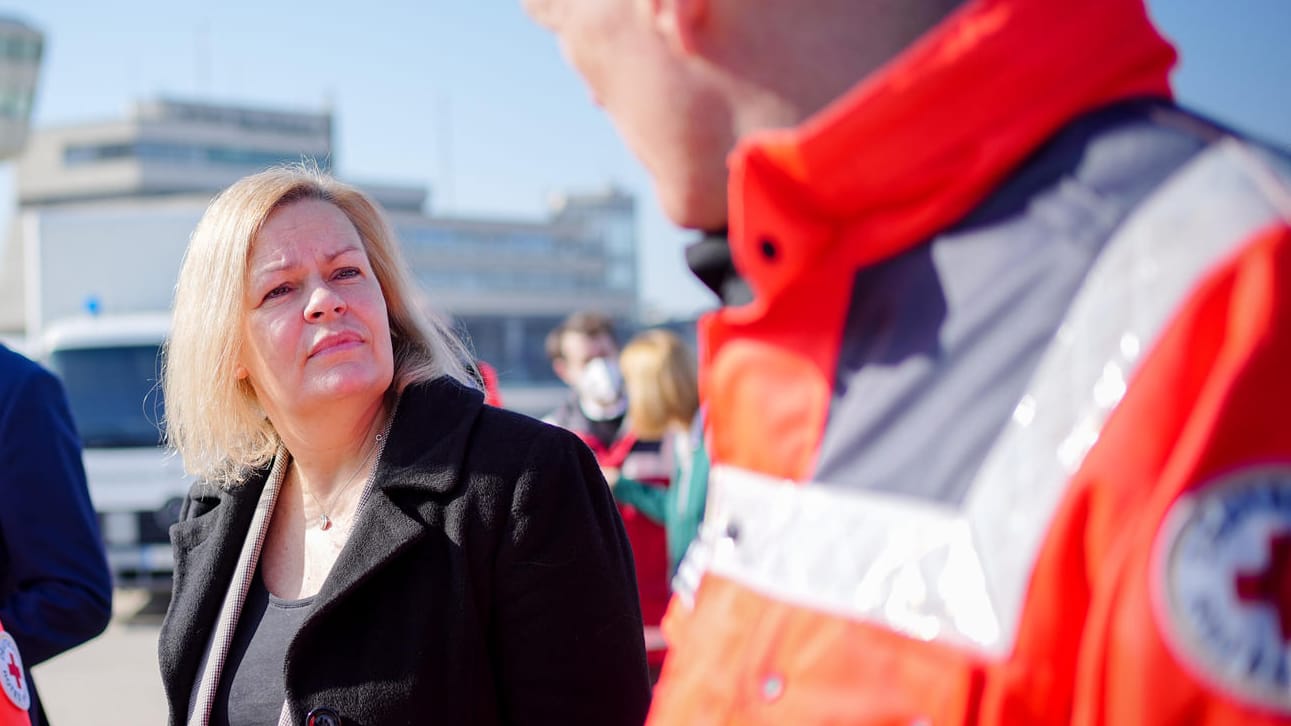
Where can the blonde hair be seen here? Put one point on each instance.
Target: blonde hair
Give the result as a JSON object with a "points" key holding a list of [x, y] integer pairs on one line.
{"points": [[659, 373], [213, 418]]}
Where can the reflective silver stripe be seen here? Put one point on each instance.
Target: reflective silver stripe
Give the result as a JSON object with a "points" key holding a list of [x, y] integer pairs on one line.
{"points": [[959, 575], [909, 564]]}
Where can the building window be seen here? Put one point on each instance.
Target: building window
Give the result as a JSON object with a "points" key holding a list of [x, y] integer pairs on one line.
{"points": [[20, 48], [15, 102], [166, 153], [89, 154], [514, 345]]}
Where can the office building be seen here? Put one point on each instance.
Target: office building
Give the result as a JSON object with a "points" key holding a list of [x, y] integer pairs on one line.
{"points": [[99, 201]]}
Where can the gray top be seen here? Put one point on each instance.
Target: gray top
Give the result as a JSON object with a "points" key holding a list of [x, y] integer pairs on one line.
{"points": [[252, 690]]}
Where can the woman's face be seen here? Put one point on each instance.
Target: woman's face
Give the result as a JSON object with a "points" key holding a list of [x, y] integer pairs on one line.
{"points": [[315, 327]]}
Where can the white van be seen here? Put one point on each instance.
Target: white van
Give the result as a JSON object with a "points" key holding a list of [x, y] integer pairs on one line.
{"points": [[110, 367]]}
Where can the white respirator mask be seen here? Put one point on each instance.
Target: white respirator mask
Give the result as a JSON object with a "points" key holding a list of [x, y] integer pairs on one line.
{"points": [[600, 389]]}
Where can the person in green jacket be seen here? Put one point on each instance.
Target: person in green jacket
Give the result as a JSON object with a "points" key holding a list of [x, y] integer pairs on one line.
{"points": [[663, 403]]}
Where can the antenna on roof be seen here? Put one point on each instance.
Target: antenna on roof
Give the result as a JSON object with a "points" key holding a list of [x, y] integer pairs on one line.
{"points": [[202, 60], [444, 132]]}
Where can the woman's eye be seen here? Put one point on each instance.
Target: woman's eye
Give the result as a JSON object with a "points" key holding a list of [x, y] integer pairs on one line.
{"points": [[277, 291], [347, 272]]}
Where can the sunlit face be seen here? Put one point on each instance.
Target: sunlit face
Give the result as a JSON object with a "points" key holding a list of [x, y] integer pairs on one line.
{"points": [[315, 328], [660, 102]]}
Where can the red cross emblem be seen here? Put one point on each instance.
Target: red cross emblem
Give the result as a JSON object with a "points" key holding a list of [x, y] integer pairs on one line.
{"points": [[1273, 584], [15, 671]]}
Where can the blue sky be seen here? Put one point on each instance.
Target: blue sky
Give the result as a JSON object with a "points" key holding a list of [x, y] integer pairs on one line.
{"points": [[470, 98]]}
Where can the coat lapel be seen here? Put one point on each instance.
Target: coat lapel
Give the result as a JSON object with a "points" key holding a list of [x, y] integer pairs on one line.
{"points": [[206, 547], [421, 464]]}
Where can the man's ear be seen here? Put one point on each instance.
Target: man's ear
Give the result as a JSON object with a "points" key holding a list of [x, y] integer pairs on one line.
{"points": [[680, 22], [560, 368]]}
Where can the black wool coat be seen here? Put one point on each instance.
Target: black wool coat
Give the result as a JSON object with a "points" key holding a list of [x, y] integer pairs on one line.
{"points": [[488, 580]]}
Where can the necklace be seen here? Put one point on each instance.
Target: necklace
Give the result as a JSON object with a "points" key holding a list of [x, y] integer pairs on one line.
{"points": [[325, 517]]}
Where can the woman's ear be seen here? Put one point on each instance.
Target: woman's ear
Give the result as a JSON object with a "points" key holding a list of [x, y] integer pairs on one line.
{"points": [[240, 372]]}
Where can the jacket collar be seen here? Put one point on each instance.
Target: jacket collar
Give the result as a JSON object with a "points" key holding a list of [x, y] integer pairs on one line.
{"points": [[709, 258], [428, 437], [422, 464], [425, 453], [916, 145], [206, 547], [422, 461]]}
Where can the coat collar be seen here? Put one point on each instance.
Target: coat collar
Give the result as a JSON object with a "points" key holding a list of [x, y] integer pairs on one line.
{"points": [[206, 546], [914, 146], [422, 462], [423, 458], [428, 438]]}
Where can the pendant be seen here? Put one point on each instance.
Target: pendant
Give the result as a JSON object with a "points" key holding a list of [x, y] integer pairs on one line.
{"points": [[323, 522]]}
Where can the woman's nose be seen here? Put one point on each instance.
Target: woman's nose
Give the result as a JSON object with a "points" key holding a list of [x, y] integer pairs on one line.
{"points": [[324, 301]]}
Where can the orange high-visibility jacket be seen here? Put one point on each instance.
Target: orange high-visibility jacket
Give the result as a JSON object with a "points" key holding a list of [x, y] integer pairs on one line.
{"points": [[1003, 436], [16, 698]]}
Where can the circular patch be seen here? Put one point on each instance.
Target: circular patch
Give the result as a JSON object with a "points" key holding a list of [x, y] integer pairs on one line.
{"points": [[1222, 584], [11, 678]]}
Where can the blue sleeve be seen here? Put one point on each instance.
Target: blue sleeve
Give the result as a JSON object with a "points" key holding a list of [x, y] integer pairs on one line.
{"points": [[55, 589]]}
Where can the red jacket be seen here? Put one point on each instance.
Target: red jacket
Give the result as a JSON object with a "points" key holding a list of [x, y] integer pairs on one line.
{"points": [[1108, 544]]}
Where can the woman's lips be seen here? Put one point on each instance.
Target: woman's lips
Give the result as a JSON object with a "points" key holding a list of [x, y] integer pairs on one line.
{"points": [[336, 342]]}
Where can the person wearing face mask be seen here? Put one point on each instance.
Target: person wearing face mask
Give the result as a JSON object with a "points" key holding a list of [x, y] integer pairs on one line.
{"points": [[584, 354]]}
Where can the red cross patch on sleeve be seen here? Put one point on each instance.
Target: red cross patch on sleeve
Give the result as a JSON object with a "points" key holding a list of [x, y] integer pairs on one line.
{"points": [[11, 675], [1222, 584]]}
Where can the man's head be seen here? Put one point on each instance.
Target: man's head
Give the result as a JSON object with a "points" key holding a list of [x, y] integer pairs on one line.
{"points": [[685, 80], [582, 338], [668, 113]]}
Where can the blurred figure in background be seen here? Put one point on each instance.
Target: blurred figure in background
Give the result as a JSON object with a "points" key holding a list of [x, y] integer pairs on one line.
{"points": [[663, 405], [55, 588], [584, 353], [998, 414]]}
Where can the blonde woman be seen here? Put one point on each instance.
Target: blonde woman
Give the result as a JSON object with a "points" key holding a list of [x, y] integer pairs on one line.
{"points": [[663, 404], [368, 542]]}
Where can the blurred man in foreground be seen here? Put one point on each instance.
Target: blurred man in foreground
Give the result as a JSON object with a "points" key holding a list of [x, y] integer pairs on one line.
{"points": [[999, 429]]}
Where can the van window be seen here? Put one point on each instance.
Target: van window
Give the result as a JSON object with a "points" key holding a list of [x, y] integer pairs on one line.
{"points": [[115, 398]]}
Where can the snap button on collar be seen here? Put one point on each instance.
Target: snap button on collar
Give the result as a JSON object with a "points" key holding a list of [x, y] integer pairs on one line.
{"points": [[769, 249], [323, 716]]}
